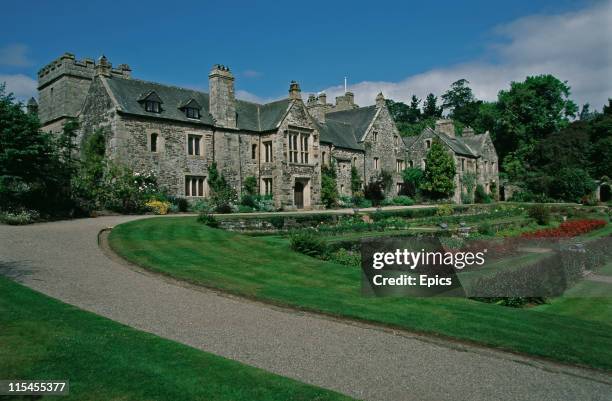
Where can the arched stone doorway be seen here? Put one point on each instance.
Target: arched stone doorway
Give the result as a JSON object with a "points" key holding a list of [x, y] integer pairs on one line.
{"points": [[298, 195]]}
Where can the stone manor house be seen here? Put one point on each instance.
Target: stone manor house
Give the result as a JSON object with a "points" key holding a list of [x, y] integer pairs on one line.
{"points": [[177, 133]]}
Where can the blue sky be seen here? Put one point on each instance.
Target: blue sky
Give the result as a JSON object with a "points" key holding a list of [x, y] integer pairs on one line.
{"points": [[397, 47]]}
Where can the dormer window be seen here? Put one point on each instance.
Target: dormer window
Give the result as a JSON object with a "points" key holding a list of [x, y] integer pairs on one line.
{"points": [[191, 108], [192, 112], [152, 106], [151, 102]]}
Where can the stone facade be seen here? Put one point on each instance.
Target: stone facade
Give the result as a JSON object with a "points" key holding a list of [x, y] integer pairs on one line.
{"points": [[178, 133], [471, 153]]}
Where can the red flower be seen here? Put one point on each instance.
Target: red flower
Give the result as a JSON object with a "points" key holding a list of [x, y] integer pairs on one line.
{"points": [[567, 229]]}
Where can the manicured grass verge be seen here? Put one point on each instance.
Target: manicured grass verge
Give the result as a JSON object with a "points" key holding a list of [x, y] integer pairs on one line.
{"points": [[269, 270], [587, 300], [42, 338]]}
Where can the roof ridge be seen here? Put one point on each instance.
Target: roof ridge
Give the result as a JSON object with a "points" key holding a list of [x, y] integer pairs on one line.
{"points": [[352, 110]]}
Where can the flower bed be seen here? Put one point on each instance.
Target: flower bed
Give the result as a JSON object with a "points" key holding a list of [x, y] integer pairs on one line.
{"points": [[567, 229]]}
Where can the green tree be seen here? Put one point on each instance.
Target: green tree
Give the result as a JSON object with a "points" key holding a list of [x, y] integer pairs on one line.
{"points": [[222, 195], [438, 178], [414, 111], [250, 185], [461, 103], [33, 169], [430, 108], [356, 182], [329, 187], [529, 111], [571, 184], [412, 180], [398, 110], [88, 184]]}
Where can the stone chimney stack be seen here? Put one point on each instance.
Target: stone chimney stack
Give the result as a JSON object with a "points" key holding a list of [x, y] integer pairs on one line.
{"points": [[322, 98], [103, 68], [380, 100], [222, 99], [446, 126], [468, 131], [294, 90], [32, 106]]}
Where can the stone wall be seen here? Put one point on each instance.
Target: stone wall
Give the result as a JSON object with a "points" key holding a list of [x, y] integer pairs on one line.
{"points": [[345, 159], [388, 148], [63, 85], [287, 173]]}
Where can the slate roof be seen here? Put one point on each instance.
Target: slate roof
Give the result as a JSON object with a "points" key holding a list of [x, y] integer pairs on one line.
{"points": [[456, 144], [475, 142], [470, 146], [339, 133], [249, 116], [359, 118]]}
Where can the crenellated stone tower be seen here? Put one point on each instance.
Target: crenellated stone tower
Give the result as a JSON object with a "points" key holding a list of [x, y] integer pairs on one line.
{"points": [[63, 85]]}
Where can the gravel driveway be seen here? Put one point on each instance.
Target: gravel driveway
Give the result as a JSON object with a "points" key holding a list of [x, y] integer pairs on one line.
{"points": [[63, 260]]}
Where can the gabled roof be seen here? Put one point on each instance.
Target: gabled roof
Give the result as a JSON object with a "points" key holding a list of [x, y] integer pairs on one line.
{"points": [[476, 142], [191, 102], [339, 133], [249, 116], [359, 118], [465, 146]]}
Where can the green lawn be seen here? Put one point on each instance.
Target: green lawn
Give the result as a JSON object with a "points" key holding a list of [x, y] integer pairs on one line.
{"points": [[268, 270], [587, 300], [42, 338]]}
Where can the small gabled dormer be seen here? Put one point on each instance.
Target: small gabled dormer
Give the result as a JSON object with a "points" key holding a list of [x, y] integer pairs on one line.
{"points": [[151, 102], [191, 108]]}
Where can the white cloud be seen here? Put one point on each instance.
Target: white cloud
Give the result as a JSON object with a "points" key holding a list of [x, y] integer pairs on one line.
{"points": [[22, 86], [251, 74], [575, 47], [15, 55], [250, 97]]}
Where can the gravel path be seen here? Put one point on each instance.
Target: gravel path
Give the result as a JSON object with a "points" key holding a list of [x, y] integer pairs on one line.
{"points": [[63, 260]]}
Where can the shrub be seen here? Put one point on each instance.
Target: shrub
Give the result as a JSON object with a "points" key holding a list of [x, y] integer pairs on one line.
{"points": [[277, 222], [402, 200], [412, 180], [244, 209], [126, 191], [345, 257], [345, 201], [571, 184], [250, 185], [158, 207], [19, 218], [329, 187], [222, 196], [199, 206], [248, 200], [540, 213], [374, 192], [480, 195], [264, 203], [444, 210], [485, 228], [179, 204], [208, 219], [362, 202], [521, 196], [308, 242], [355, 180]]}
